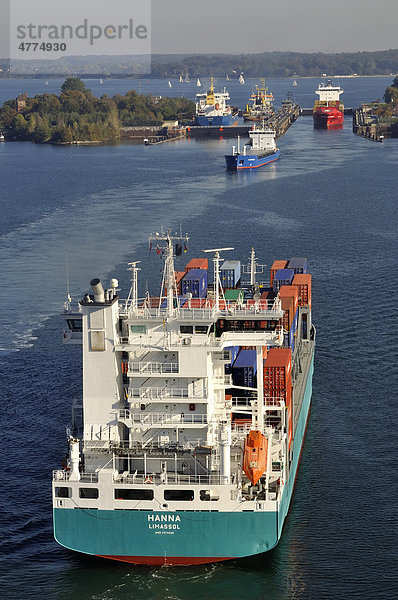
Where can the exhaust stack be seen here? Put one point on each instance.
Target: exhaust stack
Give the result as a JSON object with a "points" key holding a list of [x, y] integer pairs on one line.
{"points": [[99, 295]]}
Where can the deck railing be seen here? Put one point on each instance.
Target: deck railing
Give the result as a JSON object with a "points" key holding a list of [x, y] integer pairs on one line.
{"points": [[162, 418]]}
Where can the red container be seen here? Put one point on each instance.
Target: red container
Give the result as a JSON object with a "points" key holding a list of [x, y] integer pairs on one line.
{"points": [[278, 374], [195, 303], [277, 264], [303, 283], [178, 276], [197, 263], [288, 306]]}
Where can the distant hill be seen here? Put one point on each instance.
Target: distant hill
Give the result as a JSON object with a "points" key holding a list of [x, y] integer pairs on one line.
{"points": [[266, 64]]}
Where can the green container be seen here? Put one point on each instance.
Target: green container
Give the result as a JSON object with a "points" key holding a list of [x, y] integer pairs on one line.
{"points": [[234, 295]]}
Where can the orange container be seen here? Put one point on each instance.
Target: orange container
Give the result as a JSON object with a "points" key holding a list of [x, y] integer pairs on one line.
{"points": [[197, 263], [278, 374], [288, 317], [277, 264], [290, 291], [303, 283]]}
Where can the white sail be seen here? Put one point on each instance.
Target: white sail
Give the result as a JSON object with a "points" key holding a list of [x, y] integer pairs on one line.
{"points": [[241, 79], [198, 83], [170, 84]]}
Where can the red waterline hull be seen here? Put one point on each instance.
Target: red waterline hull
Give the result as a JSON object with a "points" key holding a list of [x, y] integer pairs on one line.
{"points": [[326, 117], [168, 560]]}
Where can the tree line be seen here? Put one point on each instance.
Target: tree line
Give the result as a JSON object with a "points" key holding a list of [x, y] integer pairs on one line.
{"points": [[77, 115]]}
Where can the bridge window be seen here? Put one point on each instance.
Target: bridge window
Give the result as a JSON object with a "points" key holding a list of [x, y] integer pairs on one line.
{"points": [[89, 493], [140, 329], [137, 494], [201, 329], [186, 328], [75, 324], [63, 492], [209, 495], [179, 495]]}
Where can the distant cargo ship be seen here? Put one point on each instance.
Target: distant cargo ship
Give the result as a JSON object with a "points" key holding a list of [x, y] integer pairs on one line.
{"points": [[260, 104], [328, 111], [260, 150], [212, 108]]}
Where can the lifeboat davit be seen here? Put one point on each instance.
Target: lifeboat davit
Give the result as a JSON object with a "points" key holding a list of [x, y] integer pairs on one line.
{"points": [[255, 455]]}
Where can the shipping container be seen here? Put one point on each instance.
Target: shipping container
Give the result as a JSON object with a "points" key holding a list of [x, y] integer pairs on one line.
{"points": [[234, 296], [282, 277], [180, 301], [278, 374], [178, 275], [197, 263], [230, 273], [267, 293], [195, 282], [195, 303], [244, 368], [276, 265], [299, 265], [303, 283]]}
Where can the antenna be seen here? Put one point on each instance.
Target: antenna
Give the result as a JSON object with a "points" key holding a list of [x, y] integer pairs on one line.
{"points": [[216, 261], [164, 246], [68, 296], [133, 293]]}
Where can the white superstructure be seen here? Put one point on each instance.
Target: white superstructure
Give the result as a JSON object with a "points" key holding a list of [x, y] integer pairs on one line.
{"points": [[328, 92]]}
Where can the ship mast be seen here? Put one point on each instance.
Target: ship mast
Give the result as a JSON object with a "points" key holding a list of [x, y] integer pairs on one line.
{"points": [[217, 283], [133, 295], [164, 246]]}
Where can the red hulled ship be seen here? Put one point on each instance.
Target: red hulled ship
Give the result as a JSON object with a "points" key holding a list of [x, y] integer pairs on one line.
{"points": [[328, 111]]}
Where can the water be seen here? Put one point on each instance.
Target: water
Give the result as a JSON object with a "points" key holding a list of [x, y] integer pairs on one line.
{"points": [[331, 197]]}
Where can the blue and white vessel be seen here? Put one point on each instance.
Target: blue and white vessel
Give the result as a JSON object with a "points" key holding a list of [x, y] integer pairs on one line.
{"points": [[258, 151], [185, 445], [212, 108]]}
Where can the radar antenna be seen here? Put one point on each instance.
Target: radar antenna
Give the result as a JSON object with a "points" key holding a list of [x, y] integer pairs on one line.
{"points": [[164, 242], [217, 282]]}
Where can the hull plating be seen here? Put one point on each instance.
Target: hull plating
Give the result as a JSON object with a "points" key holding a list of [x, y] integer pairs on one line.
{"points": [[190, 537], [240, 161]]}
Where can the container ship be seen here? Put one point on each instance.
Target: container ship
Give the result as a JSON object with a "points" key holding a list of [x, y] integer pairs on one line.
{"points": [[258, 151], [260, 105], [185, 445], [328, 111], [212, 108]]}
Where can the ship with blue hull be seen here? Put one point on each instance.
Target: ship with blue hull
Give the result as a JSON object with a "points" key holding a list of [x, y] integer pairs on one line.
{"points": [[213, 109], [185, 445], [259, 151]]}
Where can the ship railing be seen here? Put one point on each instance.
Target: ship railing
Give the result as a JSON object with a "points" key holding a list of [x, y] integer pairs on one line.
{"points": [[64, 475], [153, 447], [225, 380], [153, 367], [207, 312], [144, 393], [162, 418], [169, 478], [248, 401]]}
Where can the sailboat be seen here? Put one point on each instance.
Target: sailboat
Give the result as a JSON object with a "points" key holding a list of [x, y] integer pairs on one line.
{"points": [[101, 80], [186, 80], [294, 84], [241, 79], [181, 79], [227, 77], [198, 83], [170, 84]]}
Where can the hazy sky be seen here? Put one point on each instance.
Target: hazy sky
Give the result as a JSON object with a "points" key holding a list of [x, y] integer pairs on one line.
{"points": [[236, 26]]}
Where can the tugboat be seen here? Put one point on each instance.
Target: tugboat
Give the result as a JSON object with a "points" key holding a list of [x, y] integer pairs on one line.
{"points": [[260, 104], [212, 108], [328, 111], [185, 443], [258, 151]]}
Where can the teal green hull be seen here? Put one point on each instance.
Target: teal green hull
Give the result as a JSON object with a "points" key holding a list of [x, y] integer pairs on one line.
{"points": [[191, 537]]}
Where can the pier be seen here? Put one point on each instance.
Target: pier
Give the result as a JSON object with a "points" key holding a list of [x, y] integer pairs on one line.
{"points": [[281, 120], [368, 125]]}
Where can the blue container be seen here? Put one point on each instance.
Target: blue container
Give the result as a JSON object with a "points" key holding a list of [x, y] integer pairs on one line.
{"points": [[245, 368], [299, 265], [230, 273], [282, 277], [195, 282], [289, 338], [234, 350], [181, 301]]}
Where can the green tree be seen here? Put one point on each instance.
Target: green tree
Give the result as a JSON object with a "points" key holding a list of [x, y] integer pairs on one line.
{"points": [[20, 126], [74, 84]]}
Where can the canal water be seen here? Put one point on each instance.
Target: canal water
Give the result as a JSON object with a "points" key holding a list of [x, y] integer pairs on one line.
{"points": [[330, 197]]}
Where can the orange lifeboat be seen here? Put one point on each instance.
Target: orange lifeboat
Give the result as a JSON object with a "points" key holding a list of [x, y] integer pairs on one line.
{"points": [[255, 455]]}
